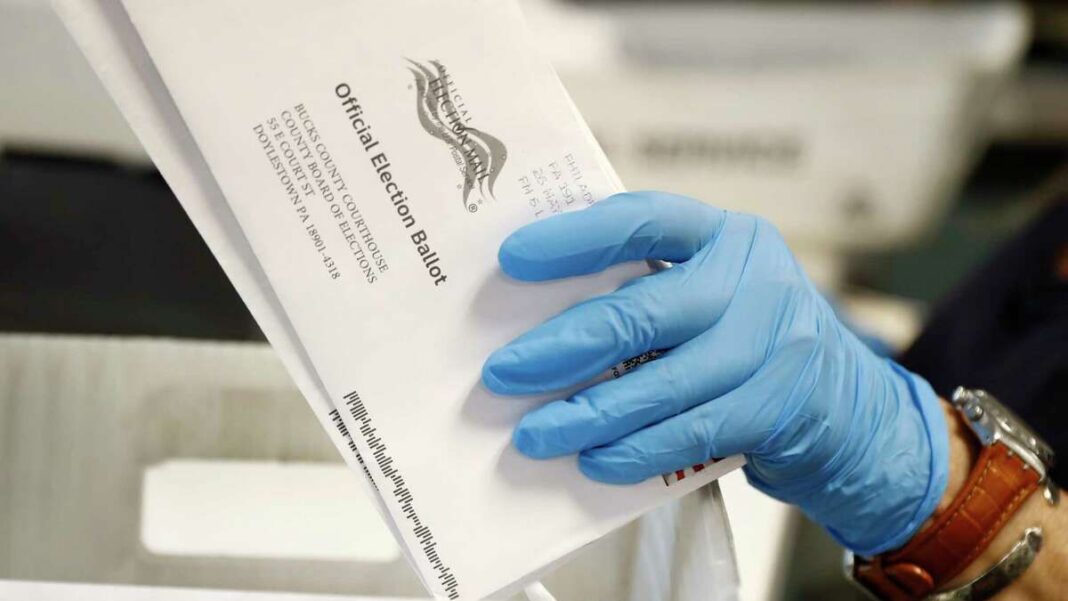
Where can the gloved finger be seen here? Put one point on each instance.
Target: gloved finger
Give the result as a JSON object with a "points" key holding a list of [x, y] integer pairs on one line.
{"points": [[706, 367], [659, 311], [737, 422], [589, 338], [625, 227]]}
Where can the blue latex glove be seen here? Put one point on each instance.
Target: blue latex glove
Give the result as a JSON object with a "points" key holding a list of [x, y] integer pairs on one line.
{"points": [[758, 364]]}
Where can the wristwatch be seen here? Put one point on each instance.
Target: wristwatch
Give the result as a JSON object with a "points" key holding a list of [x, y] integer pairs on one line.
{"points": [[1012, 465]]}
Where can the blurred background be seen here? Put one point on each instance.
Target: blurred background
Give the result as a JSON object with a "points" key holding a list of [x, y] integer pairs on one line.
{"points": [[897, 145]]}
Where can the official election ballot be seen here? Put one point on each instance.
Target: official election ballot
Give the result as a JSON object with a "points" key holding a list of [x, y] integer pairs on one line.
{"points": [[354, 166]]}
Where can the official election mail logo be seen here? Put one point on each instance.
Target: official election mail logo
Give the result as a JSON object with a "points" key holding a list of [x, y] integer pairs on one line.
{"points": [[442, 112]]}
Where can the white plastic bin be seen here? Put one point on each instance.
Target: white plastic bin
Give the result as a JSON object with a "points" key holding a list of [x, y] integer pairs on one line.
{"points": [[197, 464]]}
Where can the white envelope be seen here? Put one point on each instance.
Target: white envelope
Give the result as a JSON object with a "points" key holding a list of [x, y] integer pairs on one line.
{"points": [[354, 166]]}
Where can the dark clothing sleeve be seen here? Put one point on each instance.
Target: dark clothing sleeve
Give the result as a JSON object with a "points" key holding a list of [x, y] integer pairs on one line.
{"points": [[1006, 330]]}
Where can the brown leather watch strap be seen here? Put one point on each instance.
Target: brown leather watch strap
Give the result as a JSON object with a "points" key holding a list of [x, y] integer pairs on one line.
{"points": [[998, 484]]}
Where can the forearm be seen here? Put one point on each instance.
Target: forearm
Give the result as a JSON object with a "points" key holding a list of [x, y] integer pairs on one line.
{"points": [[1047, 578]]}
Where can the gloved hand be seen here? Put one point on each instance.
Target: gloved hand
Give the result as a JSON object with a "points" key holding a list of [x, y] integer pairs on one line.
{"points": [[756, 363]]}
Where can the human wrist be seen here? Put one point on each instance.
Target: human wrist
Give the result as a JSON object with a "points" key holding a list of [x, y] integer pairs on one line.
{"points": [[963, 452]]}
